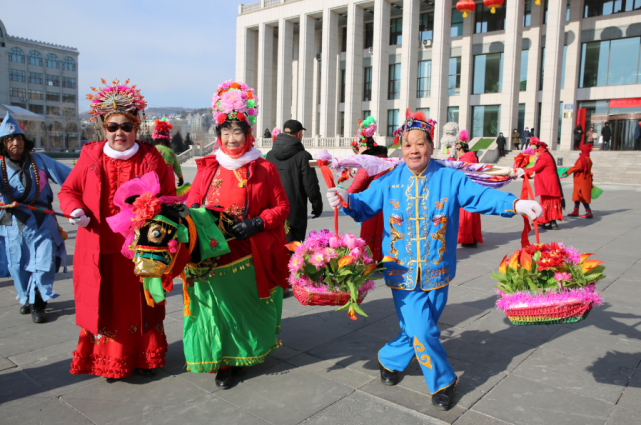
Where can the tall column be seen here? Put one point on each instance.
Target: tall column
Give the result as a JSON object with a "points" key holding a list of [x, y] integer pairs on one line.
{"points": [[328, 74], [380, 65], [511, 67], [265, 87], [572, 73], [306, 63], [440, 65], [284, 75], [409, 54], [245, 56], [353, 68], [554, 40], [467, 79]]}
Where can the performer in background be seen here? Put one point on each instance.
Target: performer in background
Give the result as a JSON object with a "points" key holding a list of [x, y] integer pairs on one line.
{"points": [[237, 301], [469, 231], [547, 185], [582, 171], [31, 245], [420, 232], [120, 332], [162, 140], [372, 229]]}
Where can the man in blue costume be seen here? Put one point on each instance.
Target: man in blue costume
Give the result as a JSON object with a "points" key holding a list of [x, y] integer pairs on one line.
{"points": [[31, 246], [420, 200]]}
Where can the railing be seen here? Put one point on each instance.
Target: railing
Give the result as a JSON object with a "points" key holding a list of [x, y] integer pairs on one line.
{"points": [[345, 142], [272, 2], [207, 149], [249, 7], [244, 8], [309, 142], [185, 156]]}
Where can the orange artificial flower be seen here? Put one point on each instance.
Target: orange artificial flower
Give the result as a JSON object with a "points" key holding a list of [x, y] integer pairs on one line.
{"points": [[235, 86], [250, 95], [346, 261], [589, 265], [370, 268], [292, 246], [503, 266], [585, 257], [387, 259], [526, 260], [352, 314], [514, 261]]}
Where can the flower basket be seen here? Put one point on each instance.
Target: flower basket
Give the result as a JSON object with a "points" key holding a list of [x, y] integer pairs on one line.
{"points": [[306, 296], [548, 284]]}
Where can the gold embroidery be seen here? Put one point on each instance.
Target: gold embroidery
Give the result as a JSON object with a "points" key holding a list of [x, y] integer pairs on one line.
{"points": [[395, 204], [423, 359], [439, 235], [396, 235]]}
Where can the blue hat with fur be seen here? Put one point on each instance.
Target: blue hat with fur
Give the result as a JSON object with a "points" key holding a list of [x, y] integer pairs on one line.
{"points": [[10, 126]]}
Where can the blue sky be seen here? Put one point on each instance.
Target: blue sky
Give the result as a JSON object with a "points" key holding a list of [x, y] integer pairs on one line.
{"points": [[177, 52]]}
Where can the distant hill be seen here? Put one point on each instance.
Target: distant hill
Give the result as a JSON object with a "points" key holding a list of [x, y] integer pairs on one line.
{"points": [[159, 111]]}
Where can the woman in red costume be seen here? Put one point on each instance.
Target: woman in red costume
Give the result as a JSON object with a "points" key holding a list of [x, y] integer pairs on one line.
{"points": [[546, 185], [469, 224], [582, 171], [371, 230], [119, 332]]}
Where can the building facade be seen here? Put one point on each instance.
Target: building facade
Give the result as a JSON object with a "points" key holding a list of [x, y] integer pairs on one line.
{"points": [[42, 78], [549, 66]]}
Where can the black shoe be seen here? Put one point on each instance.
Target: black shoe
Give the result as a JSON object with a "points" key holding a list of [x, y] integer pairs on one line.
{"points": [[387, 377], [470, 245], [25, 309], [443, 399], [238, 370], [147, 373], [38, 316], [287, 293], [553, 225], [223, 378], [546, 226]]}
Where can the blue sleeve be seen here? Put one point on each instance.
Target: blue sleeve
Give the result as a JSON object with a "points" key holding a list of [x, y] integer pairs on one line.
{"points": [[56, 171], [368, 203], [484, 200]]}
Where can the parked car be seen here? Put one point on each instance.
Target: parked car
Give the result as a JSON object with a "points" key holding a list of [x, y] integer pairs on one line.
{"points": [[38, 150]]}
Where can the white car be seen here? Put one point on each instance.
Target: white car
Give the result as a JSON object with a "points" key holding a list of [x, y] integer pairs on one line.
{"points": [[38, 150]]}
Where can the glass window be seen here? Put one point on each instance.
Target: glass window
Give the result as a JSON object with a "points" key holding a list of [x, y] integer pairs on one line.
{"points": [[16, 92], [52, 80], [342, 119], [454, 79], [558, 134], [452, 114], [35, 58], [545, 13], [521, 120], [344, 40], [70, 83], [538, 121], [71, 112], [527, 13], [35, 78], [16, 55], [53, 97], [424, 78], [392, 121], [565, 53], [426, 111], [343, 77], [486, 121], [457, 23], [53, 110], [524, 60], [36, 94], [488, 73], [366, 114], [69, 64], [486, 21], [52, 61], [367, 84], [20, 104], [567, 10], [612, 63], [369, 35], [426, 26], [394, 90], [593, 8], [542, 70], [396, 32], [15, 75], [37, 109], [69, 98]]}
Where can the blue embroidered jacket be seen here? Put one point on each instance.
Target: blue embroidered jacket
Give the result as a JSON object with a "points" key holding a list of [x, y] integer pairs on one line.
{"points": [[421, 220]]}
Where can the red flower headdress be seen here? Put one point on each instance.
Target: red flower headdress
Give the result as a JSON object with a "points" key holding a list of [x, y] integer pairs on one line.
{"points": [[162, 129]]}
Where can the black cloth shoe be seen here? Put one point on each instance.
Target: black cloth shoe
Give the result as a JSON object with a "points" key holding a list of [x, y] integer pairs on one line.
{"points": [[223, 378], [147, 373], [470, 245], [238, 370], [546, 226], [38, 316], [553, 225], [25, 309], [387, 377], [443, 399]]}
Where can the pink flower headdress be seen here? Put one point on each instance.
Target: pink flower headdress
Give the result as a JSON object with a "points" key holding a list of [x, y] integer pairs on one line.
{"points": [[275, 132], [114, 99], [235, 101]]}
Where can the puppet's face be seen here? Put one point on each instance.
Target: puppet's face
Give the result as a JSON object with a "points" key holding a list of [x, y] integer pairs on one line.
{"points": [[152, 248]]}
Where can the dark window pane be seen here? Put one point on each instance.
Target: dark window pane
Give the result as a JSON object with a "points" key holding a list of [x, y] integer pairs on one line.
{"points": [[486, 21], [485, 121], [624, 61], [457, 23], [594, 64], [527, 13], [369, 35], [424, 78], [524, 61], [542, 70], [394, 91], [367, 84], [396, 32], [426, 26], [488, 73], [344, 40], [454, 77]]}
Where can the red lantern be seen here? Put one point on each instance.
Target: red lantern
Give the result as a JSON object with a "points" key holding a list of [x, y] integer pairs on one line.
{"points": [[493, 4], [465, 7]]}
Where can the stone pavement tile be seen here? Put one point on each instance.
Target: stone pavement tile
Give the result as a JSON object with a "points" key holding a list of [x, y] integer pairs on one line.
{"points": [[632, 393], [381, 297], [52, 372], [610, 349], [474, 381], [8, 297], [471, 298], [483, 283], [623, 416], [17, 385], [10, 316], [389, 327], [411, 400], [484, 348], [40, 411], [307, 331], [460, 315], [284, 353], [617, 316], [361, 409], [65, 347], [474, 418], [521, 401], [285, 394], [6, 363], [107, 402], [31, 336], [499, 325], [579, 375], [328, 317], [330, 370]]}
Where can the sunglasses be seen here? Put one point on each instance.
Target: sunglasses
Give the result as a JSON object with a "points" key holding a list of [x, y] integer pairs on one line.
{"points": [[112, 127]]}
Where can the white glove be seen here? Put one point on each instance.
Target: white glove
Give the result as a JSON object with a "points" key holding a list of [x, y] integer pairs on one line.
{"points": [[532, 209], [334, 196], [81, 218]]}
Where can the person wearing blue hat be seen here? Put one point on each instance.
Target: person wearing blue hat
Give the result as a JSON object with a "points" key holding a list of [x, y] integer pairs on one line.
{"points": [[31, 245]]}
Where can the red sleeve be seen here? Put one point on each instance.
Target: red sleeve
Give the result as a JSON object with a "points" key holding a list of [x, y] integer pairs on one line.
{"points": [[195, 193], [277, 204], [70, 195], [360, 183], [538, 166]]}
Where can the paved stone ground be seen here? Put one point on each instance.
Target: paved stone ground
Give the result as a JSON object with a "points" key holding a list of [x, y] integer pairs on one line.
{"points": [[327, 371]]}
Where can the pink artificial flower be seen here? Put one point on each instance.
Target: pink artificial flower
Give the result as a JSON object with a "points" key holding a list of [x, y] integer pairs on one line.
{"points": [[350, 241], [251, 111], [295, 263], [356, 253], [231, 101], [334, 242], [329, 253], [563, 276], [317, 259], [172, 246]]}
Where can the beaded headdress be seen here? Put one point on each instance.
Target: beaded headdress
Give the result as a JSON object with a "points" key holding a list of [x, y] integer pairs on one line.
{"points": [[415, 121], [366, 129], [162, 129], [235, 101], [115, 99]]}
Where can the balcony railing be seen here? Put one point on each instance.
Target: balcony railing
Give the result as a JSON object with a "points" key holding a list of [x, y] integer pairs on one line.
{"points": [[187, 155], [244, 8], [250, 7]]}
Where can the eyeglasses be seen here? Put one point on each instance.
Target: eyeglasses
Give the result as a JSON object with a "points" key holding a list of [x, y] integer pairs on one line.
{"points": [[112, 127]]}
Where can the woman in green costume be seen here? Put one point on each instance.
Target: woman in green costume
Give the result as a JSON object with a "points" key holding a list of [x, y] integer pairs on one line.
{"points": [[162, 140], [235, 303]]}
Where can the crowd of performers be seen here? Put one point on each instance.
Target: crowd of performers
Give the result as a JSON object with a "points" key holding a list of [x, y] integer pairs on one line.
{"points": [[233, 292]]}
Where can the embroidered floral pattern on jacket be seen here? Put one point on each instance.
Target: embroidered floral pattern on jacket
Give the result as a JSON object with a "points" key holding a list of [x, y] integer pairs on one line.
{"points": [[103, 336]]}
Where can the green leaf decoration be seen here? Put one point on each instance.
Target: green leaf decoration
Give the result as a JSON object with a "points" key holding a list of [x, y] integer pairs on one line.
{"points": [[359, 310]]}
